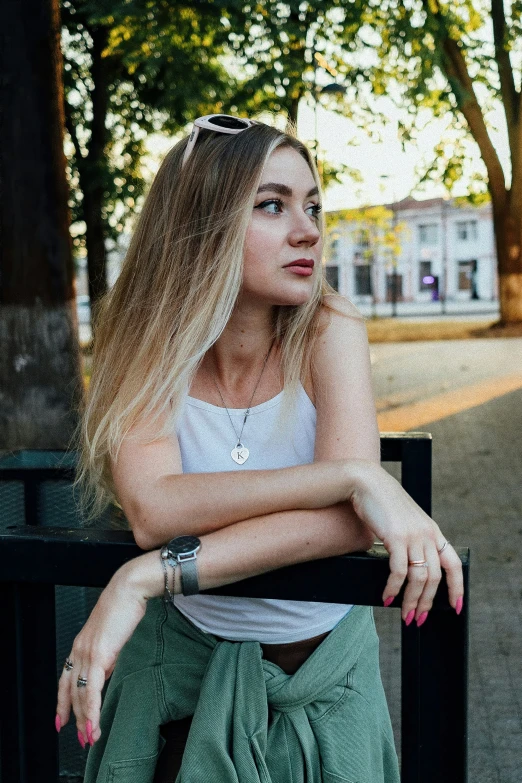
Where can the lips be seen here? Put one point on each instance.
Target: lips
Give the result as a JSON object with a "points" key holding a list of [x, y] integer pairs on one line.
{"points": [[308, 262]]}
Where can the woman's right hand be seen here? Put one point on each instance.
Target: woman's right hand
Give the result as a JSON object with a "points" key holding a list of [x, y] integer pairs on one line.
{"points": [[95, 650], [408, 533]]}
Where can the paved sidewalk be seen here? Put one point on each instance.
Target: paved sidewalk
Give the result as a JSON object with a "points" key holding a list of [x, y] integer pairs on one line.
{"points": [[470, 308], [477, 501]]}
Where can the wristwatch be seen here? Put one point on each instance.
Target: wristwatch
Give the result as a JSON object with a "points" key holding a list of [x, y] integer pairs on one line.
{"points": [[182, 550]]}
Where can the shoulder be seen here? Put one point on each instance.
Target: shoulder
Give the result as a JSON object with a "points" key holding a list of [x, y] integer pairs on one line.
{"points": [[339, 321], [341, 373], [336, 303]]}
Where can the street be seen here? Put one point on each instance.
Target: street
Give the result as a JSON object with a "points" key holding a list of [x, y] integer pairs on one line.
{"points": [[472, 390]]}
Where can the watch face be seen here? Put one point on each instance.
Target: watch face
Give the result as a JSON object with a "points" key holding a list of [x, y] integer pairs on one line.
{"points": [[183, 545]]}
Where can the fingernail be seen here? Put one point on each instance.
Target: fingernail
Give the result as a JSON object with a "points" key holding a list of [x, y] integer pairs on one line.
{"points": [[81, 739], [410, 617], [58, 723], [422, 619], [389, 600], [458, 607], [88, 728]]}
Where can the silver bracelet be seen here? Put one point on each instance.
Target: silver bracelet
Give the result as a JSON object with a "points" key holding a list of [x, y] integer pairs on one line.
{"points": [[168, 596]]}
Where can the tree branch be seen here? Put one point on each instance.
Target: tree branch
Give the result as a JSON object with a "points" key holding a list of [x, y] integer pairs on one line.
{"points": [[99, 94], [510, 97], [461, 85], [69, 123], [456, 71]]}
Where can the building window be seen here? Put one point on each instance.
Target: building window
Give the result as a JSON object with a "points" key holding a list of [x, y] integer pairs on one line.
{"points": [[425, 277], [363, 280], [394, 288], [332, 276], [468, 277], [467, 230], [427, 280], [361, 238], [334, 248], [428, 233]]}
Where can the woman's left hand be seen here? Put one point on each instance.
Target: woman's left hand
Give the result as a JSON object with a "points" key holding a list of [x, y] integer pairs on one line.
{"points": [[95, 650]]}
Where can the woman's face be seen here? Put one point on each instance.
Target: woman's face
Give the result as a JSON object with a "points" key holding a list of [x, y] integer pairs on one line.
{"points": [[283, 228]]}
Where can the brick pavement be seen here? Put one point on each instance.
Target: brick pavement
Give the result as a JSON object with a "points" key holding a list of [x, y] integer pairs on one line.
{"points": [[477, 501]]}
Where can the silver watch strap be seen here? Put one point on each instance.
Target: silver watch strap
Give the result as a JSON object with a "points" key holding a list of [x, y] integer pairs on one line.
{"points": [[189, 577]]}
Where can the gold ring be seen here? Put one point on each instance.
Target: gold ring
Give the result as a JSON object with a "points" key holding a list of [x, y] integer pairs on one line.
{"points": [[418, 562]]}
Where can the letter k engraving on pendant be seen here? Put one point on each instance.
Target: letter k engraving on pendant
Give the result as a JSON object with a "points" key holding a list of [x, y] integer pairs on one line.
{"points": [[239, 454]]}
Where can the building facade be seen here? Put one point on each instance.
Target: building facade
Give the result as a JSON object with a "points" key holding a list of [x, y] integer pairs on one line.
{"points": [[444, 252]]}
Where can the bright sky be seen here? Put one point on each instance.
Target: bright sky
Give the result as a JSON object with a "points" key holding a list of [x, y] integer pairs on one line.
{"points": [[386, 158], [388, 171]]}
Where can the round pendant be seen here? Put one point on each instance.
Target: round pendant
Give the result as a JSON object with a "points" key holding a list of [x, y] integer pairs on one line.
{"points": [[239, 454]]}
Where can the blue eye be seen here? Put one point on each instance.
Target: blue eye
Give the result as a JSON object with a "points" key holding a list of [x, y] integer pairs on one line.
{"points": [[317, 208], [270, 202], [277, 202]]}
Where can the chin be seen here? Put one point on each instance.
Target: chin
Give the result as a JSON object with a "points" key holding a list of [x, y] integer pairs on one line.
{"points": [[285, 295], [294, 298]]}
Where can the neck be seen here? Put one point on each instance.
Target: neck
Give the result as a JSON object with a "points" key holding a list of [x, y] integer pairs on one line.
{"points": [[239, 354]]}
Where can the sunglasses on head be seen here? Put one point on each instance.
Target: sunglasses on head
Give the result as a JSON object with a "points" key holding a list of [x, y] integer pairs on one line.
{"points": [[221, 123]]}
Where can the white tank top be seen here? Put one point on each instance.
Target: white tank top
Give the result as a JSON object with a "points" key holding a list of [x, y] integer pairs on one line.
{"points": [[206, 439]]}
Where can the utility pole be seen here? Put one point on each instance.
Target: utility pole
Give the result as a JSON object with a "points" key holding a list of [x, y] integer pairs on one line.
{"points": [[394, 260], [444, 267]]}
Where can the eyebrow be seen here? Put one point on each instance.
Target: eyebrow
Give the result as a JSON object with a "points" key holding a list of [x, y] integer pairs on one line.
{"points": [[284, 190]]}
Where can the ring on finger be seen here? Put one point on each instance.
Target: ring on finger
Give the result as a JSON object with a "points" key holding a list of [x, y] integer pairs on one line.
{"points": [[68, 665], [421, 563], [81, 682], [443, 547]]}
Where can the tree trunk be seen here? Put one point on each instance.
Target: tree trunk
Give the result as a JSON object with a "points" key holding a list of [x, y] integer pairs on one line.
{"points": [[91, 179], [40, 368], [292, 111], [507, 221], [95, 243]]}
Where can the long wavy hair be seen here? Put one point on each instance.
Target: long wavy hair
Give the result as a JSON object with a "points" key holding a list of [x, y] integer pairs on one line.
{"points": [[179, 281]]}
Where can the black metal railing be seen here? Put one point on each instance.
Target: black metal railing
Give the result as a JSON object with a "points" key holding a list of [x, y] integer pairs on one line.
{"points": [[34, 558]]}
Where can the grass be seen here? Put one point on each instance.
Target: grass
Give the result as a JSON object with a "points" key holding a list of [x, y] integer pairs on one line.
{"points": [[391, 330]]}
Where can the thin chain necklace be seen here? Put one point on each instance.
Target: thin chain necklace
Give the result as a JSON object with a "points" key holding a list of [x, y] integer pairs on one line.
{"points": [[240, 453]]}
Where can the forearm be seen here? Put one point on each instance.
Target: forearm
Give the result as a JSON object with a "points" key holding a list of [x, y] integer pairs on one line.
{"points": [[255, 546], [200, 503]]}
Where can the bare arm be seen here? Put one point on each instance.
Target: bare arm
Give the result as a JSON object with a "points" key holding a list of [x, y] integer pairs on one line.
{"points": [[200, 503], [255, 546]]}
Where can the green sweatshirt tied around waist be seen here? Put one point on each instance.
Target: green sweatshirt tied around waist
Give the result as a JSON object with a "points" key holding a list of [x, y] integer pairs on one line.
{"points": [[253, 723]]}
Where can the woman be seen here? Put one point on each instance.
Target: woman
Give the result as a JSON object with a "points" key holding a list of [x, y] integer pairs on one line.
{"points": [[222, 350]]}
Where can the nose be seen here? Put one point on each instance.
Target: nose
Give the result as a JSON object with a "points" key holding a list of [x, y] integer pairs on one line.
{"points": [[305, 230]]}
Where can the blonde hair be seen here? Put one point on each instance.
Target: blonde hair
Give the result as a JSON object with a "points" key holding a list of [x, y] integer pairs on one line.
{"points": [[179, 281]]}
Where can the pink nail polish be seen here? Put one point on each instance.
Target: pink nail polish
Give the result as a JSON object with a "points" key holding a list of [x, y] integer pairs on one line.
{"points": [[410, 617], [458, 607], [81, 739], [422, 619], [389, 600], [88, 728], [58, 723]]}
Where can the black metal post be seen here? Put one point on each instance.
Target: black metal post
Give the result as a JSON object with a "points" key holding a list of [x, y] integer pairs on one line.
{"points": [[27, 734], [12, 749], [434, 720]]}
